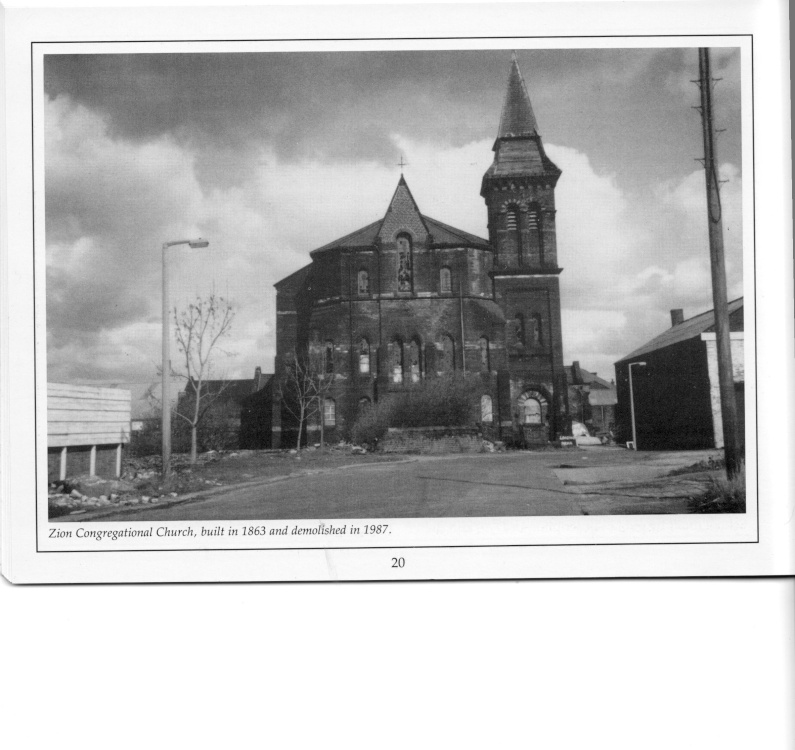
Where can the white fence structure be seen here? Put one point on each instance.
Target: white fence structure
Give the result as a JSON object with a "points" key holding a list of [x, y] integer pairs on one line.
{"points": [[84, 419]]}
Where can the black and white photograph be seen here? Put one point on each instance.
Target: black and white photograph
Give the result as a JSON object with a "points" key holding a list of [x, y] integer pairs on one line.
{"points": [[393, 284], [389, 306]]}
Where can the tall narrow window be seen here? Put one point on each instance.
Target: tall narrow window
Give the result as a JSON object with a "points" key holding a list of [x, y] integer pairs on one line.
{"points": [[396, 360], [329, 412], [486, 413], [534, 234], [328, 358], [364, 357], [519, 326], [404, 263], [485, 364], [448, 354], [445, 281], [414, 361], [512, 219], [364, 283], [535, 330], [514, 232]]}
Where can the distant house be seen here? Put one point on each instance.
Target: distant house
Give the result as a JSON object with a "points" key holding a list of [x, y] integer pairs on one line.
{"points": [[676, 394], [234, 401], [255, 413], [592, 400]]}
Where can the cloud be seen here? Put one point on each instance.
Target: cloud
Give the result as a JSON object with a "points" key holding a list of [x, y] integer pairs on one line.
{"points": [[285, 157]]}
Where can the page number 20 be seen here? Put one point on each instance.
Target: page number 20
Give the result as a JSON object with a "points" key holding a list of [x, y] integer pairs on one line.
{"points": [[398, 562]]}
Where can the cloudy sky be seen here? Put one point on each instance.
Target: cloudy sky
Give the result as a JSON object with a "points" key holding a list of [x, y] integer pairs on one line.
{"points": [[269, 155]]}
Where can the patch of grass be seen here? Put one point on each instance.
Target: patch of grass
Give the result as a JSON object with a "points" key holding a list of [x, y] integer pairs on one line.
{"points": [[723, 496], [710, 464], [222, 469]]}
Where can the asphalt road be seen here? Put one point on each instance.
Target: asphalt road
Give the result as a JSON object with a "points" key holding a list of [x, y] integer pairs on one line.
{"points": [[509, 484]]}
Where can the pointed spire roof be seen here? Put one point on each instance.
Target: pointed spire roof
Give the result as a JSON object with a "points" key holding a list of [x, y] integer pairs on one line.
{"points": [[517, 113], [402, 214]]}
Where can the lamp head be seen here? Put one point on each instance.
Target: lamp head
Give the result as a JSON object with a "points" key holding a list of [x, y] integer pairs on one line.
{"points": [[198, 243]]}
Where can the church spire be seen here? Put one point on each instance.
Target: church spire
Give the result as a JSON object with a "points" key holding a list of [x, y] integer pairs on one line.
{"points": [[517, 113]]}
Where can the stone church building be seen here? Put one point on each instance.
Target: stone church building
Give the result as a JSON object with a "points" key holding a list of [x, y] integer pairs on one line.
{"points": [[408, 298]]}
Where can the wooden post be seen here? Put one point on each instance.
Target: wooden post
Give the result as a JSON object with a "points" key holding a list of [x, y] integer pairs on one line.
{"points": [[62, 472], [92, 462], [728, 404], [118, 460]]}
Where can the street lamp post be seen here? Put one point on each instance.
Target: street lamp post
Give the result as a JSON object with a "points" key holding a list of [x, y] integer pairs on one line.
{"points": [[632, 404], [166, 357]]}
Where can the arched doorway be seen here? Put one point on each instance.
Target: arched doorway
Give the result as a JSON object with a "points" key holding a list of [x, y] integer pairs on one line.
{"points": [[532, 415]]}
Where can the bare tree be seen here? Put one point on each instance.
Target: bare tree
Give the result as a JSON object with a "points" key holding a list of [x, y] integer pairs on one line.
{"points": [[199, 328], [304, 389]]}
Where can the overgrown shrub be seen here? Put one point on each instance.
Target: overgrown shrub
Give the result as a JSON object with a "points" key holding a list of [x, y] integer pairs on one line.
{"points": [[372, 424], [148, 441], [724, 496], [450, 401], [217, 432]]}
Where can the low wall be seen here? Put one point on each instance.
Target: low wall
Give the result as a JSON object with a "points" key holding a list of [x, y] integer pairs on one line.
{"points": [[431, 439]]}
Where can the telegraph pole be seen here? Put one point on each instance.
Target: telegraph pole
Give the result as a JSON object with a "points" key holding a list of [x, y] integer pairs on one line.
{"points": [[728, 404]]}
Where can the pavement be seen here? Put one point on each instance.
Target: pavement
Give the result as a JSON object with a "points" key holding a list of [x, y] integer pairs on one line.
{"points": [[594, 480]]}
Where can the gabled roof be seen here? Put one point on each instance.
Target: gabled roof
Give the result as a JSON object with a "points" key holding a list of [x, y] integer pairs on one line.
{"points": [[364, 237], [403, 212], [444, 234], [517, 117], [689, 329], [603, 397], [226, 390], [296, 277], [577, 375]]}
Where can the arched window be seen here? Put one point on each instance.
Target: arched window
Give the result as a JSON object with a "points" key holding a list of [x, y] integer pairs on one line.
{"points": [[520, 331], [532, 408], [513, 227], [486, 413], [534, 234], [485, 363], [512, 219], [364, 283], [396, 360], [329, 412], [448, 354], [328, 357], [404, 274], [535, 330], [445, 281], [414, 362], [364, 357]]}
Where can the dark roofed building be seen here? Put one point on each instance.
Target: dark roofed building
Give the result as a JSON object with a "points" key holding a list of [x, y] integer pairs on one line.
{"points": [[592, 400], [408, 297], [242, 403], [675, 392]]}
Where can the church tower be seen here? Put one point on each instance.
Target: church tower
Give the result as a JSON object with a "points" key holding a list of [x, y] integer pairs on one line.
{"points": [[519, 190]]}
